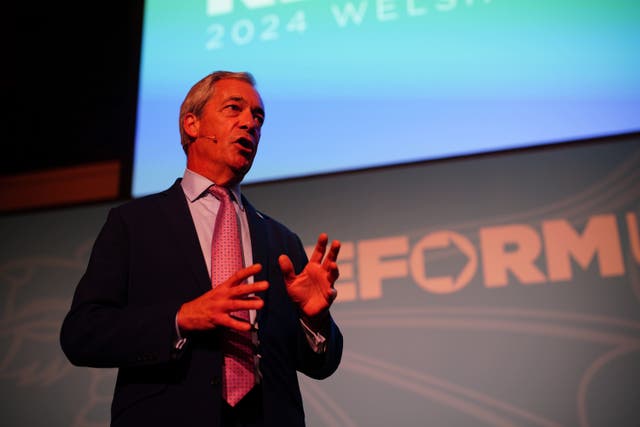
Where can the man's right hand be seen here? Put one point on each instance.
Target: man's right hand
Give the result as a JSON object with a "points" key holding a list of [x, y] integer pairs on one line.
{"points": [[213, 308]]}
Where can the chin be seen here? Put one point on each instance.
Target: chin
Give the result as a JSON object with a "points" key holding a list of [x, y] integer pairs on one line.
{"points": [[241, 171], [245, 166]]}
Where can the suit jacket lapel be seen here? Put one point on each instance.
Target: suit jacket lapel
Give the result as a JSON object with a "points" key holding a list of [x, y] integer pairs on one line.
{"points": [[184, 232], [178, 216]]}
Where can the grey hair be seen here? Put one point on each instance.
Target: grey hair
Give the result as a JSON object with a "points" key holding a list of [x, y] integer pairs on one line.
{"points": [[200, 93]]}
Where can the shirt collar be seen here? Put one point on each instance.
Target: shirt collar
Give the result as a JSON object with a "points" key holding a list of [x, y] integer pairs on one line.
{"points": [[195, 186]]}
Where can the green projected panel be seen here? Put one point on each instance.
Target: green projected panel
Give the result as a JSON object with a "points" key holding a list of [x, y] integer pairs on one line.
{"points": [[352, 84]]}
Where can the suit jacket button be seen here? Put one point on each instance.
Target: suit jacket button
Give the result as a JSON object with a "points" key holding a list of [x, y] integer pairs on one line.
{"points": [[215, 381]]}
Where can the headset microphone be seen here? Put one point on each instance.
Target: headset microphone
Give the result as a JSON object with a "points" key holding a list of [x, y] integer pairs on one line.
{"points": [[213, 138]]}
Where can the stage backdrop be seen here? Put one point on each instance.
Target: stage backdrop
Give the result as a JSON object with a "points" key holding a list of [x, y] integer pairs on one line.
{"points": [[500, 290]]}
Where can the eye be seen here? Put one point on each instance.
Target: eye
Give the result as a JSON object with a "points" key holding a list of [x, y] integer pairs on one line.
{"points": [[232, 108]]}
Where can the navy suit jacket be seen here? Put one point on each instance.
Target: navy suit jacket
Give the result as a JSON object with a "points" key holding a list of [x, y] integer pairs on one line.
{"points": [[147, 262]]}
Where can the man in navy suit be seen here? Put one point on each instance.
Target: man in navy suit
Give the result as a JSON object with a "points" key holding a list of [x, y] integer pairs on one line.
{"points": [[146, 305]]}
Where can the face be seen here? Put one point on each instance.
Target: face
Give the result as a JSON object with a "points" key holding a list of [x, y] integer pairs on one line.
{"points": [[227, 133]]}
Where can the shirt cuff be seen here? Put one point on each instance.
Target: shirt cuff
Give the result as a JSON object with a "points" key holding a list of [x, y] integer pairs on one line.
{"points": [[316, 340], [181, 341]]}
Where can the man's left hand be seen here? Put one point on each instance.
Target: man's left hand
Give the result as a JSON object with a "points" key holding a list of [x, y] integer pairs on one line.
{"points": [[312, 290]]}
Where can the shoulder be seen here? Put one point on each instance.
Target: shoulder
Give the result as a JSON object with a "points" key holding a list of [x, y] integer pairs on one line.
{"points": [[151, 203], [266, 219]]}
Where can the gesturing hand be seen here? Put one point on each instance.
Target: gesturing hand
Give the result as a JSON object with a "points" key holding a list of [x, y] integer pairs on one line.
{"points": [[214, 307], [312, 290]]}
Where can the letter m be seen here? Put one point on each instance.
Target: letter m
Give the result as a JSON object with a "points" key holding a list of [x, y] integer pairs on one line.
{"points": [[600, 237]]}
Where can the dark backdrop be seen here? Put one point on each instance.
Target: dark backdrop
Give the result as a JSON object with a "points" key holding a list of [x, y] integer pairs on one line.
{"points": [[69, 84]]}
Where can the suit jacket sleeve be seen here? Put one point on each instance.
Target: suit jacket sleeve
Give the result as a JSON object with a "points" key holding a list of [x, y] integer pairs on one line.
{"points": [[268, 233], [106, 326], [310, 363]]}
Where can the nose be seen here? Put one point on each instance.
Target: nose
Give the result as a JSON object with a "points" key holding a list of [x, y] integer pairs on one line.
{"points": [[249, 121]]}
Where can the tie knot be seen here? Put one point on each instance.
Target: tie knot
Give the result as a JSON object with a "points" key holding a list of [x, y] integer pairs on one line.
{"points": [[220, 193]]}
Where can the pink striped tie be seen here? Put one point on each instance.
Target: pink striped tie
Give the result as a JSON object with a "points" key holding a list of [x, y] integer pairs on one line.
{"points": [[226, 259]]}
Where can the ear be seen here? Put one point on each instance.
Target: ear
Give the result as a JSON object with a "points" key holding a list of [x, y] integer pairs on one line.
{"points": [[191, 125]]}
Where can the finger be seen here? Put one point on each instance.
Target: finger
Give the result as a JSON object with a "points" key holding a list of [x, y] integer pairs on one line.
{"points": [[321, 247], [333, 293], [286, 266], [243, 304], [243, 274], [246, 289], [333, 273], [237, 324], [332, 256]]}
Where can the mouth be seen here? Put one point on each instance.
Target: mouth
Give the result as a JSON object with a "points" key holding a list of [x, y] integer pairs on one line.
{"points": [[247, 146]]}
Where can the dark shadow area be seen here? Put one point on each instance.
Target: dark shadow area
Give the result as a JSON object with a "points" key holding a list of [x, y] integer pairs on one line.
{"points": [[69, 84]]}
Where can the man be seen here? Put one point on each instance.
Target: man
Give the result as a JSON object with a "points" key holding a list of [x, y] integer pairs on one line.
{"points": [[150, 304]]}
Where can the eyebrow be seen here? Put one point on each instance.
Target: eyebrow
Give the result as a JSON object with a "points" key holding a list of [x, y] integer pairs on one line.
{"points": [[235, 98], [242, 100]]}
